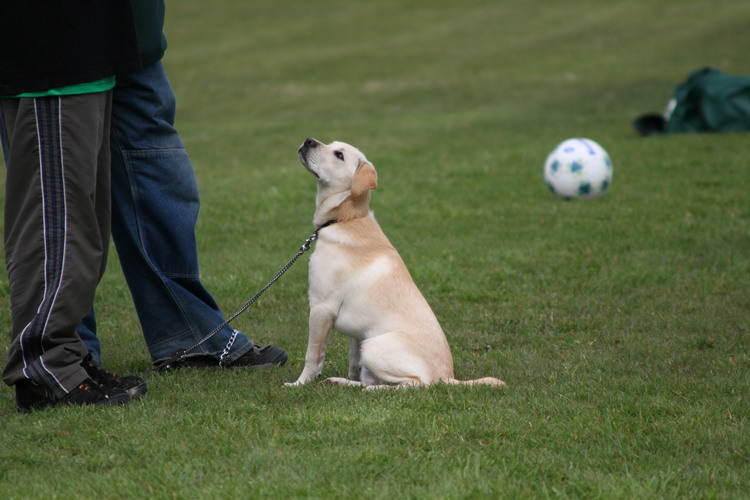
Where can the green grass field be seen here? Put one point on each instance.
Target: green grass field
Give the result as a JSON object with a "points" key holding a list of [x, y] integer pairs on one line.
{"points": [[620, 324]]}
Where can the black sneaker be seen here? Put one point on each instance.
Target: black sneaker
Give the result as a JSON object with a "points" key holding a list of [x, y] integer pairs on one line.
{"points": [[31, 396], [268, 355], [134, 386], [256, 357]]}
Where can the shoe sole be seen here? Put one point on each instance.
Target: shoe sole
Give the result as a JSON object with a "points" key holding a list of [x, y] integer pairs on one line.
{"points": [[201, 365], [262, 365], [120, 399]]}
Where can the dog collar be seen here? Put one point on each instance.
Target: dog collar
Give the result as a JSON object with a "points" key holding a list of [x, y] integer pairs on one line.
{"points": [[326, 224]]}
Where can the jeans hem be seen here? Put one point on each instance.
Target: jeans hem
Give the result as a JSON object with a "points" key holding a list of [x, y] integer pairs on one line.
{"points": [[214, 347]]}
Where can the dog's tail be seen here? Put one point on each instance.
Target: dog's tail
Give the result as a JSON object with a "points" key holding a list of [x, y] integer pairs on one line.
{"points": [[496, 382]]}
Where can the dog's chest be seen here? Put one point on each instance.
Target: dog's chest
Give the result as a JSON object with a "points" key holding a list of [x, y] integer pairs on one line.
{"points": [[337, 271]]}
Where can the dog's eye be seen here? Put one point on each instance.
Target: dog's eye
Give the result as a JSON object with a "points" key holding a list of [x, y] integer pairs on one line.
{"points": [[339, 155]]}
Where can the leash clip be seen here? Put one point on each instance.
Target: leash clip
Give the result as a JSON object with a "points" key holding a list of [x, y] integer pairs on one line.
{"points": [[306, 245]]}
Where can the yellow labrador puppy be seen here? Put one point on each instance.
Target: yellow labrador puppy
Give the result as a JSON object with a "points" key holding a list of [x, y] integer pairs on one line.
{"points": [[360, 286]]}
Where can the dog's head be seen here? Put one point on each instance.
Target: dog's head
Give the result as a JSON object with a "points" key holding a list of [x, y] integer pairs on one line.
{"points": [[345, 179]]}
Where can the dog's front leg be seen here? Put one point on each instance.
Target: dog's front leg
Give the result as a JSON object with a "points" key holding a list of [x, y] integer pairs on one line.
{"points": [[355, 359], [321, 322]]}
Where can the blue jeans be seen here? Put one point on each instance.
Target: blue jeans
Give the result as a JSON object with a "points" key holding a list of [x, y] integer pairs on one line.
{"points": [[154, 211]]}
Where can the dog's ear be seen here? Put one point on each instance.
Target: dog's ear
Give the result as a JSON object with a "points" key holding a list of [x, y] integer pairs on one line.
{"points": [[365, 179]]}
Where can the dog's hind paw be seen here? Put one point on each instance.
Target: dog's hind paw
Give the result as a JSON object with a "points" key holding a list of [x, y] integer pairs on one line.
{"points": [[341, 381]]}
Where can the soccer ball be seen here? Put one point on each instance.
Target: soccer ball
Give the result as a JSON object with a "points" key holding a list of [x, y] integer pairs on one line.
{"points": [[578, 168]]}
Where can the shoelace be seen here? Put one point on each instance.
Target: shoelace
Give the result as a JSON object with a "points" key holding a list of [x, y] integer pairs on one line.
{"points": [[86, 386], [100, 372]]}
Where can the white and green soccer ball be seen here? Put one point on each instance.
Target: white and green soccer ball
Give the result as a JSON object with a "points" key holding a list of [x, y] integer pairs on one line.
{"points": [[578, 168]]}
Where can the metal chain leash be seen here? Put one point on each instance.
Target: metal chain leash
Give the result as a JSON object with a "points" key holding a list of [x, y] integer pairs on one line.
{"points": [[182, 353], [227, 348]]}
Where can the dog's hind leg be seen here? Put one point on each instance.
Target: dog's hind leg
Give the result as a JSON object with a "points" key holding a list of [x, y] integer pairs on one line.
{"points": [[388, 360], [342, 381], [365, 376]]}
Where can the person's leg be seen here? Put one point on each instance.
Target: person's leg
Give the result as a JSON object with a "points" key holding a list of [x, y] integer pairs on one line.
{"points": [[86, 330], [155, 209], [56, 236]]}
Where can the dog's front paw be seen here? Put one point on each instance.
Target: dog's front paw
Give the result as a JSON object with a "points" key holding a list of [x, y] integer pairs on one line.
{"points": [[305, 377], [300, 381]]}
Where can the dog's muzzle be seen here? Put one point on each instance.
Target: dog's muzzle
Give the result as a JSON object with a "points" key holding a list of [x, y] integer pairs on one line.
{"points": [[304, 151], [306, 146]]}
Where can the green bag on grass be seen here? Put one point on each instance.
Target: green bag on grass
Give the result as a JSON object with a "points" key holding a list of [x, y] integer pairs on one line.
{"points": [[708, 101]]}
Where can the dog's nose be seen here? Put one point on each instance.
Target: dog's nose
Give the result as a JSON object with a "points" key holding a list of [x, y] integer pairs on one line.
{"points": [[311, 143]]}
